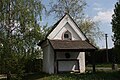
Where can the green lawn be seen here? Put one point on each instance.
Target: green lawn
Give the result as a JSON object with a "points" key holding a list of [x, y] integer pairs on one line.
{"points": [[101, 74], [87, 76], [102, 65]]}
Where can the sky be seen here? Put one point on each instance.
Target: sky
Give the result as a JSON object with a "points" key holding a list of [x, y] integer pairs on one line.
{"points": [[101, 11], [98, 10]]}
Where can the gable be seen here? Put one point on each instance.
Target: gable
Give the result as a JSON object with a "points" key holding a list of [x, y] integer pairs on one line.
{"points": [[66, 28], [66, 23]]}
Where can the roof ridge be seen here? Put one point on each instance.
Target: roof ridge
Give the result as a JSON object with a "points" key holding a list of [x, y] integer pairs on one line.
{"points": [[54, 26]]}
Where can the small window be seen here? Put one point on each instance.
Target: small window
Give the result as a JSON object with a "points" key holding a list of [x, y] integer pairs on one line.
{"points": [[66, 36]]}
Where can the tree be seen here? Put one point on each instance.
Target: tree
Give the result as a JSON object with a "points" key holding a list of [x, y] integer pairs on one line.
{"points": [[90, 29], [75, 9], [19, 32], [115, 29]]}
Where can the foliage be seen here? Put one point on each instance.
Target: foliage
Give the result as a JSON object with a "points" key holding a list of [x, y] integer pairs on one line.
{"points": [[115, 30], [20, 32], [100, 56], [34, 65], [75, 9], [90, 29]]}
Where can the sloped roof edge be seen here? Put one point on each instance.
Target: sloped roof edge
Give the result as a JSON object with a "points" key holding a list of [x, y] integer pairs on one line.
{"points": [[68, 44], [55, 25]]}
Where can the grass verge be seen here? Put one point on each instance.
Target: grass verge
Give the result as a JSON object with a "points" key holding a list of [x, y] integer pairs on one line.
{"points": [[112, 75]]}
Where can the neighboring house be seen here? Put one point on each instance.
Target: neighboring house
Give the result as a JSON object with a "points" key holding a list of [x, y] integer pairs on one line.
{"points": [[64, 47]]}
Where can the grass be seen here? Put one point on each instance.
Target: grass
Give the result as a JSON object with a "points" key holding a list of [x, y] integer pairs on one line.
{"points": [[103, 65], [101, 75]]}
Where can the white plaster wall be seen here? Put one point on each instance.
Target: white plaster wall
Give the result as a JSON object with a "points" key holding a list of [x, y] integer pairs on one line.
{"points": [[45, 59], [73, 55], [51, 60], [82, 62], [67, 27], [71, 65], [67, 66], [48, 56], [48, 59], [62, 26]]}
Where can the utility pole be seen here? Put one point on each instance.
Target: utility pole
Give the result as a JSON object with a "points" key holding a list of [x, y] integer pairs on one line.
{"points": [[106, 48]]}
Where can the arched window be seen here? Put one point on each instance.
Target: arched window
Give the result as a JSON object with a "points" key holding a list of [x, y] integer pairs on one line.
{"points": [[67, 36]]}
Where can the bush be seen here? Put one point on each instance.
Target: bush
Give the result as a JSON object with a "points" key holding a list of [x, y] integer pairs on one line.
{"points": [[33, 65]]}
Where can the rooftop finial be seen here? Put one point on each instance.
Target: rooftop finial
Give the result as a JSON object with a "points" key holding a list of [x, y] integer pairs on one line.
{"points": [[66, 11]]}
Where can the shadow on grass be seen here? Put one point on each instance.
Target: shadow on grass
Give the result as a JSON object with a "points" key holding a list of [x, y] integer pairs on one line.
{"points": [[90, 76], [34, 76], [73, 76]]}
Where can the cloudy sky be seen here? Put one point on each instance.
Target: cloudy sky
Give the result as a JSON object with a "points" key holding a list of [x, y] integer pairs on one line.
{"points": [[98, 10], [102, 10]]}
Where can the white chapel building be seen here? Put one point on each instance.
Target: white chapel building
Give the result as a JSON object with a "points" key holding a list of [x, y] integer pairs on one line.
{"points": [[64, 47]]}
